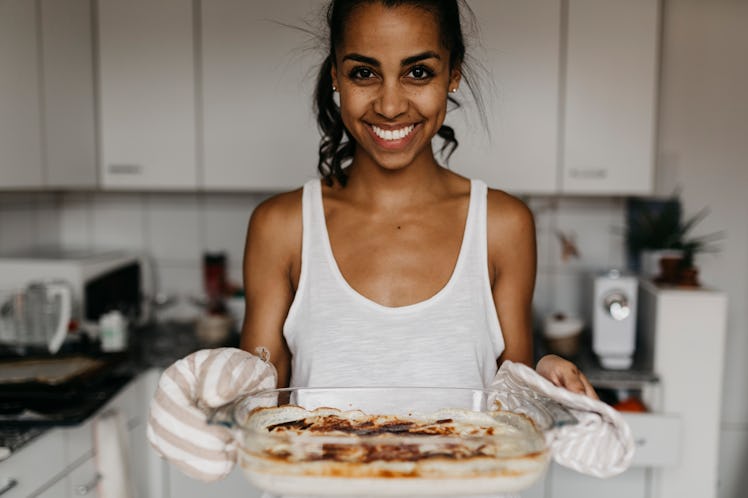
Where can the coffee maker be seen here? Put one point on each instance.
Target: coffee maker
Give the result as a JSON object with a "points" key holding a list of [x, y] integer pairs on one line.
{"points": [[614, 310]]}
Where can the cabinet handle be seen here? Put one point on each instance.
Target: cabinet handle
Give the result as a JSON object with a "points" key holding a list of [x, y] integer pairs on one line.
{"points": [[125, 169], [8, 485], [84, 489], [588, 173]]}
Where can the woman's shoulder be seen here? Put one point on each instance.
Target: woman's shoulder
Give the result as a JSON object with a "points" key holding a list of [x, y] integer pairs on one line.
{"points": [[507, 215], [278, 220], [278, 207]]}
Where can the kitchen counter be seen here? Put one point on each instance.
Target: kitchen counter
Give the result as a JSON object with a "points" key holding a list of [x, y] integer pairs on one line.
{"points": [[60, 461], [153, 346]]}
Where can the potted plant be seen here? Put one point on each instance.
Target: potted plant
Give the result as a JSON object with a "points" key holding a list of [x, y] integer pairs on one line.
{"points": [[660, 243]]}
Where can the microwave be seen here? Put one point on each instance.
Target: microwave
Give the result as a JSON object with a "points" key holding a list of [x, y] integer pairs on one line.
{"points": [[101, 281]]}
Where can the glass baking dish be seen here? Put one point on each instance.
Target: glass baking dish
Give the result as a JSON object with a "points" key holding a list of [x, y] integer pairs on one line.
{"points": [[394, 441]]}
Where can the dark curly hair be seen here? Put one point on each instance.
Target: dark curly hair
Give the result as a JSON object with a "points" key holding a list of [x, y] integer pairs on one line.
{"points": [[337, 145]]}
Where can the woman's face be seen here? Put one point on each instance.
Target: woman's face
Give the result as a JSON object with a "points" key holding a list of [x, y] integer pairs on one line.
{"points": [[393, 76]]}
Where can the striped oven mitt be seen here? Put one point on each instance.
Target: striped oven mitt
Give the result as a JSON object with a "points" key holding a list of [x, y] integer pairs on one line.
{"points": [[188, 391], [600, 444]]}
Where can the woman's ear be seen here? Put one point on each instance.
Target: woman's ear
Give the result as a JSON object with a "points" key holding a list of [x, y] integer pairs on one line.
{"points": [[334, 76], [454, 79]]}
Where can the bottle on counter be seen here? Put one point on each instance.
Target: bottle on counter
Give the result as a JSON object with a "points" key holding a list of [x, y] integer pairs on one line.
{"points": [[113, 332]]}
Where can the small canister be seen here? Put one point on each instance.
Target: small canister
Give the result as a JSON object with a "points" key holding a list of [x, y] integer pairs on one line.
{"points": [[113, 332]]}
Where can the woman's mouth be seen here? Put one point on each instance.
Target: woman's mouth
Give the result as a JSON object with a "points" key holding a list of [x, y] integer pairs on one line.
{"points": [[392, 138]]}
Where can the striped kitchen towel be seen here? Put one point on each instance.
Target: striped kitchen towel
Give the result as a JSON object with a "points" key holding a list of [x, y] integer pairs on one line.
{"points": [[188, 391], [600, 444]]}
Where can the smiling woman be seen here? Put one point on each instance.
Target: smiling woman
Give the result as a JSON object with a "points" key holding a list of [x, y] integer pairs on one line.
{"points": [[392, 270]]}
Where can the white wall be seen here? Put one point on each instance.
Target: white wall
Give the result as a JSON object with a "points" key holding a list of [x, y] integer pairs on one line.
{"points": [[703, 149], [28, 219]]}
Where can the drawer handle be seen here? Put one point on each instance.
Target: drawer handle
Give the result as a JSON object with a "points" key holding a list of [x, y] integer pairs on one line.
{"points": [[84, 489], [588, 173], [125, 169], [8, 485]]}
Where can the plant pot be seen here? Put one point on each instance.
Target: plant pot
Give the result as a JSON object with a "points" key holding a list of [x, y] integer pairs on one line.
{"points": [[689, 277], [669, 270], [650, 260]]}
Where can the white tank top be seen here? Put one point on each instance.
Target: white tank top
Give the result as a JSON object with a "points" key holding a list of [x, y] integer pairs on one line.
{"points": [[338, 337]]}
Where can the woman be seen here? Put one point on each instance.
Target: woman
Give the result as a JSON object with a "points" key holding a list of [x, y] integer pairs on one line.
{"points": [[393, 270]]}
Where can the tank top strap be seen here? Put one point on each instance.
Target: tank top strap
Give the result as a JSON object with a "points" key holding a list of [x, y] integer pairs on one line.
{"points": [[474, 244]]}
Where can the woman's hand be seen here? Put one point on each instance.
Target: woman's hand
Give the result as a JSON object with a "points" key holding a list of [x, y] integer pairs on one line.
{"points": [[564, 373]]}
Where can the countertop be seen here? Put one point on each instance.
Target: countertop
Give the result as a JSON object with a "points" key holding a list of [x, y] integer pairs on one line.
{"points": [[151, 346]]}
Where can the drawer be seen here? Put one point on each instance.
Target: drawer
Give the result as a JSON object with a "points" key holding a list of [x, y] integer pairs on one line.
{"points": [[34, 466], [79, 440], [83, 480], [657, 439]]}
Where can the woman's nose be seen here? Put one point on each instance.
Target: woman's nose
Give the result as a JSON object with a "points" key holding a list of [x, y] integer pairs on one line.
{"points": [[391, 101]]}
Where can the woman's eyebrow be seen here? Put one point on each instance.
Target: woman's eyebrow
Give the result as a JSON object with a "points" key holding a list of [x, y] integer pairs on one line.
{"points": [[405, 62]]}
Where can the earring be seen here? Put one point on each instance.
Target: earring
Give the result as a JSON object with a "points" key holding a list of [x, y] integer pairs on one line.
{"points": [[454, 90], [334, 88]]}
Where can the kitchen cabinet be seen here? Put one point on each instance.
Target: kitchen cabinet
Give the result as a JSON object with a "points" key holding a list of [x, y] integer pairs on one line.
{"points": [[57, 490], [570, 95], [69, 127], [233, 486], [610, 80], [69, 456], [147, 94], [23, 475], [687, 329], [257, 80], [47, 131], [20, 106], [519, 49], [82, 480]]}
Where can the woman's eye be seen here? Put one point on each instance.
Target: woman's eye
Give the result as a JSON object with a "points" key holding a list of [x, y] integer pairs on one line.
{"points": [[420, 73], [361, 73]]}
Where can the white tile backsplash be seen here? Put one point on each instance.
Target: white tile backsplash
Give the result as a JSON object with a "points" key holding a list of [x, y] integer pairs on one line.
{"points": [[182, 282], [47, 220], [225, 220], [18, 226], [119, 221], [595, 225], [76, 220], [173, 229]]}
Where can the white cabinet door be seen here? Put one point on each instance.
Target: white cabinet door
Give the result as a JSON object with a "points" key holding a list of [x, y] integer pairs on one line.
{"points": [[60, 489], [233, 486], [20, 112], [34, 467], [567, 483], [258, 79], [82, 480], [68, 91], [610, 92], [147, 94], [519, 48]]}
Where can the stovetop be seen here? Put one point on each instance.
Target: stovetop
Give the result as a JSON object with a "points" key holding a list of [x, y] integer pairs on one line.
{"points": [[68, 405]]}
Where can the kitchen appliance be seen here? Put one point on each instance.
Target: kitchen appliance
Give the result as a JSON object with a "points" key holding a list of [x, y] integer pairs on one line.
{"points": [[99, 281], [37, 316], [614, 308]]}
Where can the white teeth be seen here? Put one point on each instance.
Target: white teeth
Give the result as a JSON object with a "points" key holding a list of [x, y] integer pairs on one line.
{"points": [[392, 134]]}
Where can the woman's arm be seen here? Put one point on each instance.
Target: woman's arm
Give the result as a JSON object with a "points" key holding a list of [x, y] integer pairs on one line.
{"points": [[272, 260], [512, 262], [512, 267]]}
